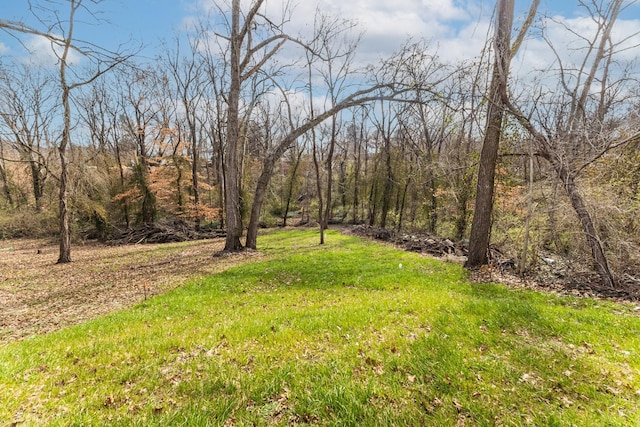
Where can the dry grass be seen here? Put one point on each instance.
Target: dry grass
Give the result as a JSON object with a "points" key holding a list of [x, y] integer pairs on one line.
{"points": [[38, 296]]}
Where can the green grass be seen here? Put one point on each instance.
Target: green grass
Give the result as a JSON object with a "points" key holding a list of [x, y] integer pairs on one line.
{"points": [[335, 335]]}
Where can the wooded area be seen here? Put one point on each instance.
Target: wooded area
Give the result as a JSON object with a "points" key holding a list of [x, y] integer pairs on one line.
{"points": [[239, 124]]}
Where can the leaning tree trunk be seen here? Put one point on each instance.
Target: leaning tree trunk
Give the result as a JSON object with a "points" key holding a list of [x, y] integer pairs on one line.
{"points": [[258, 199], [593, 240]]}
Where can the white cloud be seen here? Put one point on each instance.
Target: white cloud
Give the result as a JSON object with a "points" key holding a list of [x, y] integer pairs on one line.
{"points": [[466, 43], [42, 53], [456, 29], [569, 39], [386, 25]]}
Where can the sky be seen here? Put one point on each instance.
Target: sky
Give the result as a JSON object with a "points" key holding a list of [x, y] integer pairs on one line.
{"points": [[457, 29]]}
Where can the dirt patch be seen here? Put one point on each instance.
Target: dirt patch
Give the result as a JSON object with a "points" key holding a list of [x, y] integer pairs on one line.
{"points": [[38, 296]]}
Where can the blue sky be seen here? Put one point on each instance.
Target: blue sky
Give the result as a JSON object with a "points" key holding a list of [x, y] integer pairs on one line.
{"points": [[457, 28], [145, 21]]}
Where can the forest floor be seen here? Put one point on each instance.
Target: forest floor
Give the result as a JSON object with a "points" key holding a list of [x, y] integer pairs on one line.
{"points": [[39, 296]]}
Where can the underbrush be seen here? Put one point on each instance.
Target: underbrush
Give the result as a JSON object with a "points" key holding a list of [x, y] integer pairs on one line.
{"points": [[27, 222], [349, 333]]}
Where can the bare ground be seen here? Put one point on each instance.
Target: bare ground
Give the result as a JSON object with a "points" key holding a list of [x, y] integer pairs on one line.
{"points": [[38, 296]]}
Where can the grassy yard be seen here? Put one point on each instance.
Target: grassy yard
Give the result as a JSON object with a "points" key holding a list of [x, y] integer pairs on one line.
{"points": [[351, 333]]}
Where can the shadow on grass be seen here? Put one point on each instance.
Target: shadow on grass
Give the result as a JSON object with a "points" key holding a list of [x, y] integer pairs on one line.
{"points": [[520, 356]]}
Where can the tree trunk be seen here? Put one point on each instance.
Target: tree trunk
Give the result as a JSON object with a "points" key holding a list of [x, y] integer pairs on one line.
{"points": [[324, 224], [433, 200], [258, 199], [316, 164], [342, 188], [292, 182], [481, 225], [195, 162], [373, 201], [65, 231], [601, 264], [232, 184], [356, 180], [222, 169], [148, 198], [403, 200], [37, 183], [125, 204], [4, 177], [388, 184]]}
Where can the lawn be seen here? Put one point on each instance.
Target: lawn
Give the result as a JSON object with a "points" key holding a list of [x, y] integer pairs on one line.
{"points": [[349, 333]]}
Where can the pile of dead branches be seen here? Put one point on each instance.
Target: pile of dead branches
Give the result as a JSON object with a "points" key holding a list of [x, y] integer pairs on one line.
{"points": [[165, 232], [423, 243]]}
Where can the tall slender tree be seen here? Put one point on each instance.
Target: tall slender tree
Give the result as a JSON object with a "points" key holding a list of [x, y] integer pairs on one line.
{"points": [[481, 225], [61, 34], [503, 53]]}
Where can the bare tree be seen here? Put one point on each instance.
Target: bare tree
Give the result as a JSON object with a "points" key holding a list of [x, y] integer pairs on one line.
{"points": [[61, 34], [100, 110], [358, 133], [253, 40], [386, 124], [336, 45], [578, 122], [187, 70], [214, 119], [503, 53], [355, 99], [481, 226], [245, 60], [139, 116], [27, 111]]}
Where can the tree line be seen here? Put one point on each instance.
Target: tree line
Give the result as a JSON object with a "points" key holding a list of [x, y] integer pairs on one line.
{"points": [[239, 123]]}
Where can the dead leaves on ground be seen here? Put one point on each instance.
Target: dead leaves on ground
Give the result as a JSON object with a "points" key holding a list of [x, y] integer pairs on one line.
{"points": [[39, 296]]}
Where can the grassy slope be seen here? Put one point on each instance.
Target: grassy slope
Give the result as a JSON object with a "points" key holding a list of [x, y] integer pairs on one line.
{"points": [[335, 335]]}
